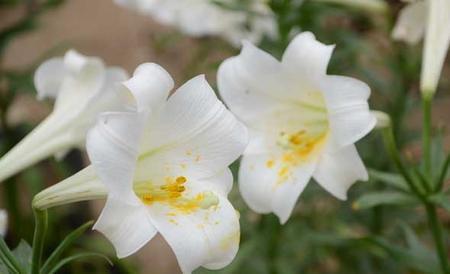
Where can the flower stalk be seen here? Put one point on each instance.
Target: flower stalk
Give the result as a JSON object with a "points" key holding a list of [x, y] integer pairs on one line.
{"points": [[436, 231], [41, 219], [426, 133]]}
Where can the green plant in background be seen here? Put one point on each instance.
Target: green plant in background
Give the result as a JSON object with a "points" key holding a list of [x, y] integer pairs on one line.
{"points": [[393, 224]]}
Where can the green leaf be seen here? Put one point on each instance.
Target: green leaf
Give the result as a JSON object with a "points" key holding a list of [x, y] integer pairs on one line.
{"points": [[440, 199], [7, 257], [3, 268], [392, 179], [418, 259], [79, 256], [383, 198], [437, 154], [416, 247], [68, 241], [22, 253]]}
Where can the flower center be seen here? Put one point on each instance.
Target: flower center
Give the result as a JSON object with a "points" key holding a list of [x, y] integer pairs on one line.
{"points": [[303, 136], [173, 193]]}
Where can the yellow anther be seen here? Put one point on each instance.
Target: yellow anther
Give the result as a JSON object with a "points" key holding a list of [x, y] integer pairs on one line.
{"points": [[181, 180], [270, 163]]}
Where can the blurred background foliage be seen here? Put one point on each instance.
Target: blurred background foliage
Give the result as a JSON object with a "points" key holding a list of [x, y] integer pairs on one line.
{"points": [[380, 229]]}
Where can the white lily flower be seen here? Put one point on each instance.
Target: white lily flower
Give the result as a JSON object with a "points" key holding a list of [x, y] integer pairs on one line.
{"points": [[303, 123], [82, 87], [204, 18], [163, 164], [3, 222], [437, 41], [430, 19]]}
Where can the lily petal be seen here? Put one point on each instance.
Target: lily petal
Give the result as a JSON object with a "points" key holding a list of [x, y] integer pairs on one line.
{"points": [[411, 22], [150, 86], [437, 41], [214, 232], [263, 189], [348, 110], [307, 57], [110, 152], [84, 77], [128, 227], [3, 222], [194, 135], [49, 77], [246, 101], [339, 170]]}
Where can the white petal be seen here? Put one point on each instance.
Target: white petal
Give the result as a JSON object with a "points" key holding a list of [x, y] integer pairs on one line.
{"points": [[263, 189], [410, 25], [437, 41], [3, 222], [222, 182], [112, 146], [258, 70], [245, 99], [84, 77], [48, 78], [150, 86], [128, 227], [307, 57], [45, 140], [206, 237], [337, 171], [348, 110], [194, 135]]}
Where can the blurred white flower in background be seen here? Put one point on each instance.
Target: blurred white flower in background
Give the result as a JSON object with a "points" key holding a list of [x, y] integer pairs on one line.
{"points": [[163, 164], [429, 18], [82, 88], [303, 123], [205, 18], [3, 222], [411, 22]]}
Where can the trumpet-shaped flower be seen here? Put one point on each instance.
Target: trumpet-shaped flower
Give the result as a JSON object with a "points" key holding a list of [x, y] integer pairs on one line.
{"points": [[82, 88], [302, 123], [432, 19], [163, 165], [204, 18], [3, 222]]}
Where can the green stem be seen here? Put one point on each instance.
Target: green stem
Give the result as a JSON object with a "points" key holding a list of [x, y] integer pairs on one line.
{"points": [[40, 229], [436, 230], [392, 149], [426, 134], [271, 229]]}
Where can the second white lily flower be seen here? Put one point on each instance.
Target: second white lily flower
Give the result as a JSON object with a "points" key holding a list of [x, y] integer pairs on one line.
{"points": [[429, 18], [303, 123], [82, 87], [163, 164]]}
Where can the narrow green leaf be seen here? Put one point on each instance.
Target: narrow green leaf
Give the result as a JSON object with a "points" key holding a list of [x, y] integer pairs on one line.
{"points": [[392, 179], [8, 258], [440, 199], [68, 241], [23, 253], [406, 257], [3, 267], [437, 153], [79, 256], [383, 198]]}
